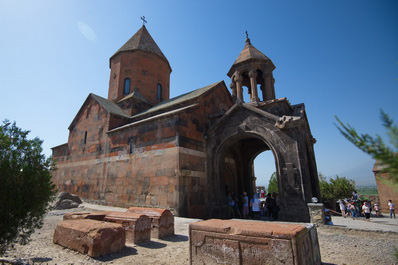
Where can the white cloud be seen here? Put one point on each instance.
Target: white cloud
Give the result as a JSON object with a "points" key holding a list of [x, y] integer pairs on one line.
{"points": [[87, 31]]}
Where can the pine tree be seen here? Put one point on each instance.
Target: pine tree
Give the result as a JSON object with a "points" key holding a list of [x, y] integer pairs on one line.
{"points": [[376, 146]]}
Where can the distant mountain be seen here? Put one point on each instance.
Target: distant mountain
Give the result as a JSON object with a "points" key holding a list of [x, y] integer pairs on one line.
{"points": [[362, 174]]}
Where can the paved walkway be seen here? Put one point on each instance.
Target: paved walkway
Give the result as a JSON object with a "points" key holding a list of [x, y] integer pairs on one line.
{"points": [[375, 224], [384, 223]]}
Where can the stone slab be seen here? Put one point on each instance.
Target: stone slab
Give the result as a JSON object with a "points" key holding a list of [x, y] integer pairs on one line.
{"points": [[99, 216], [162, 220], [253, 242], [91, 237], [137, 226]]}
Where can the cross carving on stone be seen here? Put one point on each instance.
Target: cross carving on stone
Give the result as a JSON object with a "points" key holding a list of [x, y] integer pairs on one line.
{"points": [[292, 175], [143, 20]]}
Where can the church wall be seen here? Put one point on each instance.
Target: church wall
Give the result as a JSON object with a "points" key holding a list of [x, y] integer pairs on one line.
{"points": [[192, 128], [75, 172]]}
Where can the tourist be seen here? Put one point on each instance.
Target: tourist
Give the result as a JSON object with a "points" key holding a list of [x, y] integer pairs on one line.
{"points": [[342, 208], [245, 205], [255, 204], [353, 210], [275, 206], [377, 209], [236, 206], [348, 208], [391, 207], [355, 196], [262, 193], [269, 202], [366, 210]]}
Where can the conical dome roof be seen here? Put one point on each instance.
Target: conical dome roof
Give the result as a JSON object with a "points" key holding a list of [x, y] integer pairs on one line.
{"points": [[249, 53], [143, 41]]}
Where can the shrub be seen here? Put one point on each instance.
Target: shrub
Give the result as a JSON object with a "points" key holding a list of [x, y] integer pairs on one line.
{"points": [[26, 186]]}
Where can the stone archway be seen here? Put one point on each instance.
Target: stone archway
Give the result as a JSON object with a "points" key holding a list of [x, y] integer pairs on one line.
{"points": [[239, 136], [235, 162]]}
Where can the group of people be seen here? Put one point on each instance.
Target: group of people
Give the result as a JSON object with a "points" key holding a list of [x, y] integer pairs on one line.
{"points": [[354, 207], [254, 208]]}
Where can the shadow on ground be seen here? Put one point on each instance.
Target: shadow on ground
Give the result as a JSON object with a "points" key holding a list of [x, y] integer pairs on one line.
{"points": [[176, 238], [126, 251], [152, 245]]}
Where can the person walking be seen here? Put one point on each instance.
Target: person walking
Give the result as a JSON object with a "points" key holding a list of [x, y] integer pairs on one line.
{"points": [[230, 204], [269, 203], [366, 210], [342, 208], [255, 204], [391, 206], [377, 209]]}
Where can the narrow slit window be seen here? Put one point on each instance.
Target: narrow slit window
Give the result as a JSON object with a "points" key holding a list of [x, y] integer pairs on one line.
{"points": [[159, 92], [85, 137], [126, 89]]}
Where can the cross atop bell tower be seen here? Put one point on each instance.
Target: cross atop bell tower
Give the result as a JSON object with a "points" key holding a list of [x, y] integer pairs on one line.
{"points": [[250, 69]]}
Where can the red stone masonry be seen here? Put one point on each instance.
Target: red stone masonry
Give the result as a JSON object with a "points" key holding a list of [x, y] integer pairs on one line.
{"points": [[162, 220], [145, 71], [252, 242], [137, 226], [90, 237]]}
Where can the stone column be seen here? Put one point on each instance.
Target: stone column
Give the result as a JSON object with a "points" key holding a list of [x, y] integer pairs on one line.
{"points": [[263, 91], [233, 88], [273, 87], [253, 85], [268, 87], [238, 80]]}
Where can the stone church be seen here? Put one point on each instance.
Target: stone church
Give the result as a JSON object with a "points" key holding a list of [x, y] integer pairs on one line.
{"points": [[138, 147]]}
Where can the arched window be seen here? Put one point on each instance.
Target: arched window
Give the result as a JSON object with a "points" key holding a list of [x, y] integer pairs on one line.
{"points": [[159, 92], [126, 89]]}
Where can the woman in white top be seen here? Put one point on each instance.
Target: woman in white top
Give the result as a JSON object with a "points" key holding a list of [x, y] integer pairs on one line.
{"points": [[366, 210], [255, 204]]}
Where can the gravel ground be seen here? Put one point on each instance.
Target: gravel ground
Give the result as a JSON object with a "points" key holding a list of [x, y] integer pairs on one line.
{"points": [[339, 244]]}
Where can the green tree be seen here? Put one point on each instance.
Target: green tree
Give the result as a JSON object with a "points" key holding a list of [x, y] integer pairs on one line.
{"points": [[25, 185], [375, 146], [338, 188], [273, 183]]}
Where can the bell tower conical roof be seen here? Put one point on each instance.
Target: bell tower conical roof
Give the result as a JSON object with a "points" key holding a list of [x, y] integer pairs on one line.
{"points": [[249, 53], [143, 41], [250, 69]]}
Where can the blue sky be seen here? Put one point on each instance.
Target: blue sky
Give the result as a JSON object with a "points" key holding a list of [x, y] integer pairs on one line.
{"points": [[338, 57]]}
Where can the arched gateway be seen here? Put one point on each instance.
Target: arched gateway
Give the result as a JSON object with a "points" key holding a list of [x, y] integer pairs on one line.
{"points": [[248, 129]]}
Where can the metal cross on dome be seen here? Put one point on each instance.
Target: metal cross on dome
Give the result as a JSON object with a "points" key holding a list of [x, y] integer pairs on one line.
{"points": [[143, 20]]}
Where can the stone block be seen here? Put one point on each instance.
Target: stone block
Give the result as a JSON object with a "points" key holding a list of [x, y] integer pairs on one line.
{"points": [[90, 237], [162, 220], [137, 225], [99, 216], [253, 242]]}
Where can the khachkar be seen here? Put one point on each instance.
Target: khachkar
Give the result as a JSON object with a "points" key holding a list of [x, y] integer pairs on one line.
{"points": [[247, 129]]}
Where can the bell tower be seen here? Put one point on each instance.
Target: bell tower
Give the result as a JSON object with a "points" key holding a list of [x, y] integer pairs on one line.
{"points": [[139, 67], [250, 69]]}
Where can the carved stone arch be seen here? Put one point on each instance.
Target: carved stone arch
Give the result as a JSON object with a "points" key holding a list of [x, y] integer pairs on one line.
{"points": [[253, 133]]}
